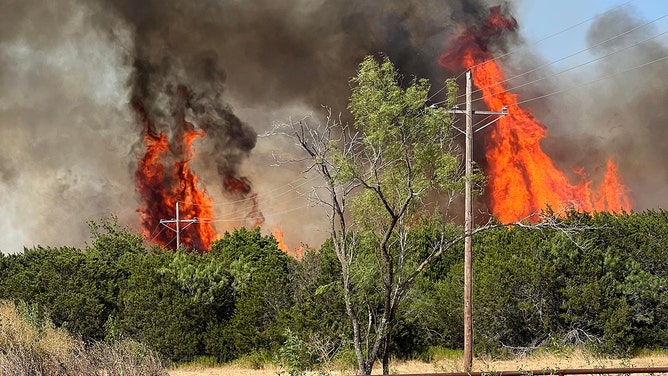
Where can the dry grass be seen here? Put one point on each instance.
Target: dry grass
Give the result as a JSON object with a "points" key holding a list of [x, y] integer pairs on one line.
{"points": [[30, 346], [570, 359]]}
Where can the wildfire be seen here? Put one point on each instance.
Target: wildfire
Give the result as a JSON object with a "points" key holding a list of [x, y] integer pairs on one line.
{"points": [[522, 179], [278, 234], [163, 177]]}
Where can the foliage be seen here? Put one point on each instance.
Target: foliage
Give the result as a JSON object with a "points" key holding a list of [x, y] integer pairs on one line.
{"points": [[604, 288], [31, 345], [76, 288], [397, 152], [259, 278], [153, 309], [316, 317], [294, 356]]}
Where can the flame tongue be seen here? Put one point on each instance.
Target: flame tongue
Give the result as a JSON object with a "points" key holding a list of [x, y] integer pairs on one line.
{"points": [[160, 185], [296, 253], [522, 179]]}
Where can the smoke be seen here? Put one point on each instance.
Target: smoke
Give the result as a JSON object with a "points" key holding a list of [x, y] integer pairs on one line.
{"points": [[70, 139], [63, 106], [621, 114]]}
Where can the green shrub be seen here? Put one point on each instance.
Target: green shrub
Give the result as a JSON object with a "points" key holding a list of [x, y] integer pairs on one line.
{"points": [[255, 360]]}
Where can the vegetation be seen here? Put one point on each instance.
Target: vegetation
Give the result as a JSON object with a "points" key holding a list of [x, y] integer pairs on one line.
{"points": [[246, 299], [387, 284], [31, 345]]}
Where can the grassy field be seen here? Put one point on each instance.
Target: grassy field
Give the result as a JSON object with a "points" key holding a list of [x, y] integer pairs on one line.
{"points": [[571, 359], [30, 345]]}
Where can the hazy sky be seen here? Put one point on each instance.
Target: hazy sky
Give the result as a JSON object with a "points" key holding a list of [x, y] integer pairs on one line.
{"points": [[540, 20]]}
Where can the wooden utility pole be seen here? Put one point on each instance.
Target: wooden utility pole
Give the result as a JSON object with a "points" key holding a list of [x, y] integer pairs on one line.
{"points": [[468, 228], [468, 218]]}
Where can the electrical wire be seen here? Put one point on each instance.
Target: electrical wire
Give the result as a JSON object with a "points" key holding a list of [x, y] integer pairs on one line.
{"points": [[592, 81], [240, 219], [571, 68], [568, 56], [241, 214], [289, 188], [552, 35], [158, 234]]}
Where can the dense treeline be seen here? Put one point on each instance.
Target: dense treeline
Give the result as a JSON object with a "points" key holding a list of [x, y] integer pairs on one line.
{"points": [[605, 286]]}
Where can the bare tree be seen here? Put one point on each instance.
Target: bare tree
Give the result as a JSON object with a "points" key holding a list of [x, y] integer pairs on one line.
{"points": [[383, 176]]}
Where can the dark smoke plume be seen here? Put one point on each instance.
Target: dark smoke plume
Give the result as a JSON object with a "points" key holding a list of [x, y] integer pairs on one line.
{"points": [[70, 69]]}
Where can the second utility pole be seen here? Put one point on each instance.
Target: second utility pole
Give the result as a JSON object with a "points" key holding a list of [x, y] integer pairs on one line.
{"points": [[468, 228], [468, 216]]}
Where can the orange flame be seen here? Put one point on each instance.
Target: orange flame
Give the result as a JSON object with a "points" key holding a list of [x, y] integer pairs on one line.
{"points": [[161, 185], [278, 234], [522, 179]]}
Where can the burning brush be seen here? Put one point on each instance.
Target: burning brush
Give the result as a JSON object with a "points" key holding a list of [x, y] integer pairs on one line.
{"points": [[522, 179]]}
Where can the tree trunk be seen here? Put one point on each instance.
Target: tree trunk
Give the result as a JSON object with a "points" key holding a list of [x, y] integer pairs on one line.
{"points": [[386, 356]]}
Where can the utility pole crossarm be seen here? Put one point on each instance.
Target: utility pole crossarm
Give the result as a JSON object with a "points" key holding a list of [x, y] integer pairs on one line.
{"points": [[503, 112], [479, 112], [178, 222]]}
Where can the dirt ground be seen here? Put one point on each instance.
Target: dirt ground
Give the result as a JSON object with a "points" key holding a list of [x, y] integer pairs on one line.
{"points": [[535, 362]]}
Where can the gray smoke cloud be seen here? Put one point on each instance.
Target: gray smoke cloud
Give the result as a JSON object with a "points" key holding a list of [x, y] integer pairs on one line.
{"points": [[630, 113], [63, 99], [70, 69], [621, 115]]}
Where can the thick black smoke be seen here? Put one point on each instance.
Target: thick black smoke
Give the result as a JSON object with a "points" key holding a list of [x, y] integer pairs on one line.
{"points": [[299, 50], [70, 69]]}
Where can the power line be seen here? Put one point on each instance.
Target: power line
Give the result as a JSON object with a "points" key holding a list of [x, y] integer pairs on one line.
{"points": [[568, 56], [571, 68], [156, 235], [512, 51], [291, 189], [239, 219], [593, 81], [553, 35]]}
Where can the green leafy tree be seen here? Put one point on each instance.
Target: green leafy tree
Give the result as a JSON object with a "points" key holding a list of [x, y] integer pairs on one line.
{"points": [[318, 315], [396, 153], [259, 277]]}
